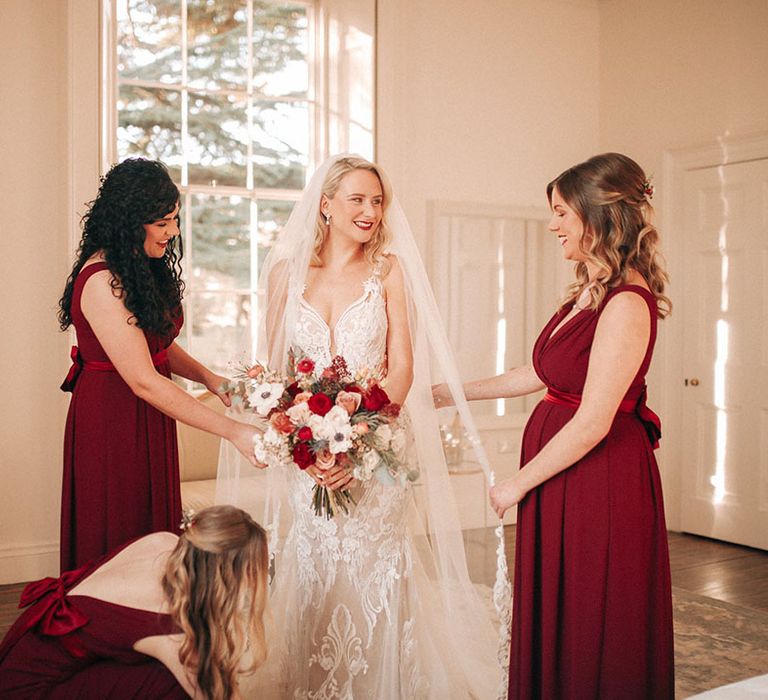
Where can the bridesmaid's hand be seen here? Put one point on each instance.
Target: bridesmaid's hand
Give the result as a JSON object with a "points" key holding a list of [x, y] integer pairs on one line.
{"points": [[217, 384], [505, 495], [242, 437], [442, 396]]}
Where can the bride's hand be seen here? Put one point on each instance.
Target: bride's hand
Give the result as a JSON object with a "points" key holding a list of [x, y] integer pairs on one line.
{"points": [[505, 495], [441, 395], [334, 478], [242, 438]]}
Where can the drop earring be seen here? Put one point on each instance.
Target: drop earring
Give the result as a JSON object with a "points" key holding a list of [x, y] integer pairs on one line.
{"points": [[327, 218]]}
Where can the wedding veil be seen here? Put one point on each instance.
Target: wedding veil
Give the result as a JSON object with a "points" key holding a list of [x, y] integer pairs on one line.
{"points": [[481, 649]]}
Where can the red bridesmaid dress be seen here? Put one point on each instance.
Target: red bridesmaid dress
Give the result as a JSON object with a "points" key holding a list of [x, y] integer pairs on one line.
{"points": [[76, 646], [121, 461], [592, 607]]}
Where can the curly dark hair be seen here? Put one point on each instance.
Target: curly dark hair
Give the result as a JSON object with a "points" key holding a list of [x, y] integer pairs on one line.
{"points": [[135, 192]]}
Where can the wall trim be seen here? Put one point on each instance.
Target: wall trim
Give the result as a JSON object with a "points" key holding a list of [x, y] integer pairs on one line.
{"points": [[28, 562]]}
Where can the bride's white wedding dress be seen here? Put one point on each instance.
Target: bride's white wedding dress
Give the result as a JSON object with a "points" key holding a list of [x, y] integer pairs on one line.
{"points": [[376, 604]]}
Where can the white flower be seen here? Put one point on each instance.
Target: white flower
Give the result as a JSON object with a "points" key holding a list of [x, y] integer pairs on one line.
{"points": [[371, 460], [272, 438], [264, 397], [398, 444], [384, 435], [337, 430], [300, 414], [271, 448]]}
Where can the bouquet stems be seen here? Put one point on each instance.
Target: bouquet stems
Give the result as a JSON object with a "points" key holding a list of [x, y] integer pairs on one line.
{"points": [[329, 503]]}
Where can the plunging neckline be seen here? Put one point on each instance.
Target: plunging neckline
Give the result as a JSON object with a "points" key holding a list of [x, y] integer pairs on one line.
{"points": [[327, 326]]}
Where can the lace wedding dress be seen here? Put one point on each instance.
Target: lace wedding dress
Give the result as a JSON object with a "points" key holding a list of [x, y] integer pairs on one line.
{"points": [[376, 604]]}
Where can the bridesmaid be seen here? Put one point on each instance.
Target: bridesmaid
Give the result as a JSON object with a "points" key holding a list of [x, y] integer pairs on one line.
{"points": [[592, 609], [138, 623], [121, 469]]}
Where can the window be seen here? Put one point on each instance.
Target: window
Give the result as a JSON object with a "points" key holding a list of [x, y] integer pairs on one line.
{"points": [[233, 96]]}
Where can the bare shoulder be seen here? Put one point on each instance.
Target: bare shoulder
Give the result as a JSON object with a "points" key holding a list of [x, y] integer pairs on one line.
{"points": [[625, 311], [393, 278]]}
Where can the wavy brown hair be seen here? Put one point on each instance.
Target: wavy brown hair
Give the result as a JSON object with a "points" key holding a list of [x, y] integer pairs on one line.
{"points": [[608, 193], [375, 248], [134, 192], [215, 582]]}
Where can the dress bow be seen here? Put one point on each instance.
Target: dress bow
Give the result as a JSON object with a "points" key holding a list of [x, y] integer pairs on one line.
{"points": [[649, 419], [51, 609], [74, 371]]}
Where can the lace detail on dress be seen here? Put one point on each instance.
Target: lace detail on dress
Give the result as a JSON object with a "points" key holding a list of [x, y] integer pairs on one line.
{"points": [[360, 334]]}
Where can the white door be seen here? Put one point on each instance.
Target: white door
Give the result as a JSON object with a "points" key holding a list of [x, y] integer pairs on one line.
{"points": [[725, 353]]}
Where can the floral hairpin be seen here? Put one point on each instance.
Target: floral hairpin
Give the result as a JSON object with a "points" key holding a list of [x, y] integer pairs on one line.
{"points": [[187, 519], [648, 189]]}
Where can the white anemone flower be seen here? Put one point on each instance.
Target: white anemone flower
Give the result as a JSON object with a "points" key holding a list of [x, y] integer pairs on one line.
{"points": [[264, 397], [337, 429]]}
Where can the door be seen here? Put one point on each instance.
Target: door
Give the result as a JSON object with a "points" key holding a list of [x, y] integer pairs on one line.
{"points": [[725, 353]]}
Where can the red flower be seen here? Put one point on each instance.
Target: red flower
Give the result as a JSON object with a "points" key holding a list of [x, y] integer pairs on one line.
{"points": [[305, 433], [302, 455], [375, 399], [353, 388], [320, 404], [305, 366], [329, 373], [293, 389], [391, 410]]}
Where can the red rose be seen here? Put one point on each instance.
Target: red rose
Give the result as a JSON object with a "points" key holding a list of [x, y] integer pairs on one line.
{"points": [[305, 433], [353, 388], [375, 399], [320, 404], [305, 366], [293, 389], [302, 455]]}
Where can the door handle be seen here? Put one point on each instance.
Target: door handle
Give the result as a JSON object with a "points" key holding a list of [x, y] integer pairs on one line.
{"points": [[693, 382]]}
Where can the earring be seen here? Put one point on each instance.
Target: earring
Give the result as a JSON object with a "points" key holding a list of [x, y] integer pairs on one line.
{"points": [[327, 218]]}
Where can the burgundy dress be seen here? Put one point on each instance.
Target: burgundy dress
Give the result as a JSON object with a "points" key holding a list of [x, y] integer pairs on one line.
{"points": [[592, 607], [121, 461], [76, 646]]}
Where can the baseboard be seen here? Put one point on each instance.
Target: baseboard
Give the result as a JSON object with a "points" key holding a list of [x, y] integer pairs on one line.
{"points": [[22, 563]]}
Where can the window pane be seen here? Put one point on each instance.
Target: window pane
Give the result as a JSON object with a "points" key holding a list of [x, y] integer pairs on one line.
{"points": [[221, 257], [280, 49], [149, 40], [220, 327], [218, 134], [150, 125], [217, 36], [270, 218], [281, 144]]}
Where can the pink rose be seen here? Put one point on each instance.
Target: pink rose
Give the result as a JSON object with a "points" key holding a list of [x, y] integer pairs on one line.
{"points": [[325, 459], [361, 428], [281, 423], [302, 397], [349, 401]]}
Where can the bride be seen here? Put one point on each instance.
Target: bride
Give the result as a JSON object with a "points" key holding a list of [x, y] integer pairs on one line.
{"points": [[376, 604]]}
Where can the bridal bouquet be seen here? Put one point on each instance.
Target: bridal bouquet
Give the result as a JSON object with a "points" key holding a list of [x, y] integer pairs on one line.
{"points": [[327, 419]]}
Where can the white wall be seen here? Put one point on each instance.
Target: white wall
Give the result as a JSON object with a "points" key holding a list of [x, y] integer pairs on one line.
{"points": [[34, 239], [676, 75], [484, 101]]}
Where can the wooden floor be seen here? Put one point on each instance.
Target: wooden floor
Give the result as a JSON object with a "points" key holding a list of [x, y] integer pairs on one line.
{"points": [[728, 572]]}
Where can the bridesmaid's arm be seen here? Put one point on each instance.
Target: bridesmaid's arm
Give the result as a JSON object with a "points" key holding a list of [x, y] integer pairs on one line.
{"points": [[126, 347], [518, 381], [618, 348], [399, 352], [184, 365]]}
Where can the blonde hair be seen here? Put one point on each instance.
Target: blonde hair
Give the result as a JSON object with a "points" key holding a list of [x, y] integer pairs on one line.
{"points": [[375, 249], [608, 192], [215, 582]]}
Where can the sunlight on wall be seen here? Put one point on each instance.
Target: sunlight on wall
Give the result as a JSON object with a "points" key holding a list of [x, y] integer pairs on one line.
{"points": [[501, 325]]}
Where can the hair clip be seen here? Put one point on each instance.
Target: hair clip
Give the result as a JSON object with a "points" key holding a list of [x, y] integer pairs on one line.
{"points": [[187, 519], [648, 189]]}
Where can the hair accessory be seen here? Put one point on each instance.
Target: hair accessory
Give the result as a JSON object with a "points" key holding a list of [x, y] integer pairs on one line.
{"points": [[648, 189], [187, 519]]}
